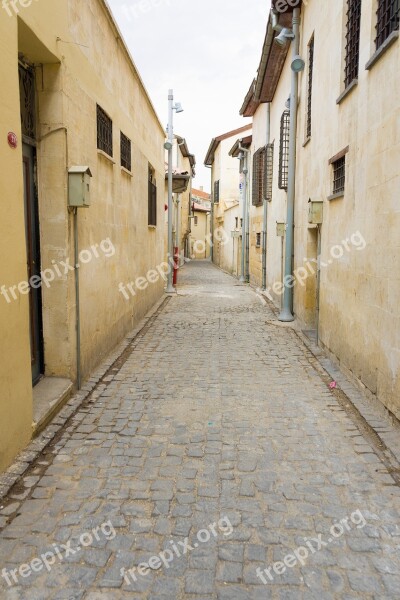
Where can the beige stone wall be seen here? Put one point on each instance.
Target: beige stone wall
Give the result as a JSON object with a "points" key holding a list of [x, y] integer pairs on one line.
{"points": [[71, 79], [359, 318], [200, 248]]}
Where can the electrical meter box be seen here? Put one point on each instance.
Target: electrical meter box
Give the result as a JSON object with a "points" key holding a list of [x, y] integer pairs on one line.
{"points": [[79, 187], [280, 229], [315, 212]]}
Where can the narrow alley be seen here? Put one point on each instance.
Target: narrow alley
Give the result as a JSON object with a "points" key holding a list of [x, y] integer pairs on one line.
{"points": [[214, 464]]}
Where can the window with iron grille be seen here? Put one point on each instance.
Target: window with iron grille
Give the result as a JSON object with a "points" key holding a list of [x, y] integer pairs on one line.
{"points": [[216, 192], [310, 85], [284, 151], [269, 171], [388, 20], [104, 132], [258, 176], [237, 222], [352, 41], [27, 101], [258, 240], [152, 198], [126, 152], [339, 175]]}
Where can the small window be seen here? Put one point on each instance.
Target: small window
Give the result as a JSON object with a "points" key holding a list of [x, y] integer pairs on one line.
{"points": [[126, 158], [284, 151], [104, 132], [339, 175], [310, 85], [241, 223], [352, 41], [196, 220], [258, 177], [152, 198], [237, 222], [258, 240], [216, 192], [388, 20]]}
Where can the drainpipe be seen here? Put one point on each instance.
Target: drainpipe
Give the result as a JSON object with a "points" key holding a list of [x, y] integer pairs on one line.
{"points": [[244, 162], [265, 220], [77, 302], [211, 218], [286, 313]]}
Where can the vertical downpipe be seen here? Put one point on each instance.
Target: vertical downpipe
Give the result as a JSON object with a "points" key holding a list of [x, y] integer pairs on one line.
{"points": [[77, 302], [286, 313], [318, 277]]}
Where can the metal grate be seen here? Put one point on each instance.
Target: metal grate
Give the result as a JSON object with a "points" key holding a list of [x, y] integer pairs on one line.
{"points": [[126, 152], [258, 177], [27, 101], [216, 192], [284, 151], [269, 171], [352, 41], [310, 85], [388, 19], [104, 132], [152, 215], [339, 175], [258, 240]]}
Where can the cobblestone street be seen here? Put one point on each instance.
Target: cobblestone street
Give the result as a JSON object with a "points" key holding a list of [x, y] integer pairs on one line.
{"points": [[218, 453]]}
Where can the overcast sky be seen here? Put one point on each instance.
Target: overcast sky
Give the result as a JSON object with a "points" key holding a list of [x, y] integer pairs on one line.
{"points": [[208, 51]]}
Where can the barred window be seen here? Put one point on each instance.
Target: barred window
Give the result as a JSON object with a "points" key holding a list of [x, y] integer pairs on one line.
{"points": [[339, 175], [310, 84], [216, 192], [258, 240], [126, 152], [269, 171], [284, 151], [104, 132], [258, 176], [352, 40], [152, 220], [388, 20]]}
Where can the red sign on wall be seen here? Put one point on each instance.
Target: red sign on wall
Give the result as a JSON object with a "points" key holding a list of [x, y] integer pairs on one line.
{"points": [[12, 139]]}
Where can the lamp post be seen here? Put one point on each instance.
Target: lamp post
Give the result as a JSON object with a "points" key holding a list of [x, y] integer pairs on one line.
{"points": [[169, 146]]}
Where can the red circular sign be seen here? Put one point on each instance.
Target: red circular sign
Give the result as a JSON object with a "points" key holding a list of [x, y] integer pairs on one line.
{"points": [[12, 139]]}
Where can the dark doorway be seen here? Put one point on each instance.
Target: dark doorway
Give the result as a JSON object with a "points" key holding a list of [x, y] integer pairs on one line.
{"points": [[28, 121]]}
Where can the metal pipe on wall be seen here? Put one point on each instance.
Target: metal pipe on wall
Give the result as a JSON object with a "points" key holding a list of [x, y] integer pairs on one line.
{"points": [[265, 215], [244, 165], [286, 313], [77, 303]]}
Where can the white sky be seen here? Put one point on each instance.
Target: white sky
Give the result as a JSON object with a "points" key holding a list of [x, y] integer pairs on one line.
{"points": [[208, 51]]}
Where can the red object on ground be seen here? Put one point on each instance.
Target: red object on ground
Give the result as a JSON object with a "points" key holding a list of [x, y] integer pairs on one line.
{"points": [[176, 265]]}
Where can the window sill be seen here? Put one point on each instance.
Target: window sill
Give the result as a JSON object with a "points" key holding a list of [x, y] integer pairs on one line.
{"points": [[126, 171], [336, 196], [347, 91], [393, 37], [152, 226], [307, 141], [106, 156]]}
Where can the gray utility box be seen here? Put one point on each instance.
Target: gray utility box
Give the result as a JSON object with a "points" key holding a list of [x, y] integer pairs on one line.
{"points": [[315, 212], [79, 187]]}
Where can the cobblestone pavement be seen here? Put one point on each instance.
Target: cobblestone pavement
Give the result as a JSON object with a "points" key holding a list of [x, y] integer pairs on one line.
{"points": [[218, 429]]}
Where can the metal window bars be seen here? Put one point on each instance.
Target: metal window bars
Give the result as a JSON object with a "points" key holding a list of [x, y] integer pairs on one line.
{"points": [[104, 132], [258, 177], [269, 171], [388, 20], [352, 41], [339, 175], [126, 152], [284, 151]]}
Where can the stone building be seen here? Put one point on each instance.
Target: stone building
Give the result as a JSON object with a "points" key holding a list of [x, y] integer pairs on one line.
{"points": [[346, 253], [88, 136]]}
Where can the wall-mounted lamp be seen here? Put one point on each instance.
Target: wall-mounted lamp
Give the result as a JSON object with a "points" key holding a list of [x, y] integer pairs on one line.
{"points": [[284, 36], [298, 64]]}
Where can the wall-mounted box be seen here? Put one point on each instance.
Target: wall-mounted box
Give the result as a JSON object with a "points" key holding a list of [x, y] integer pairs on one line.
{"points": [[315, 212], [280, 229], [79, 187]]}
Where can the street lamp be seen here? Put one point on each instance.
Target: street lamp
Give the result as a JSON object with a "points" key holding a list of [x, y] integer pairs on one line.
{"points": [[169, 146]]}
